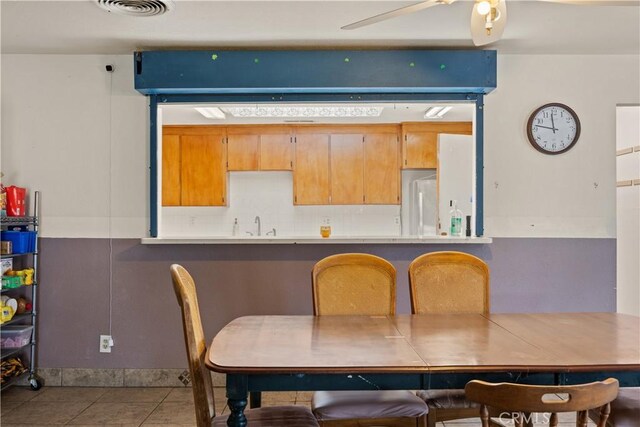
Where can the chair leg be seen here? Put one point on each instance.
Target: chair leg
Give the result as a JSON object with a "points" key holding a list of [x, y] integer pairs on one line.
{"points": [[432, 416], [423, 421]]}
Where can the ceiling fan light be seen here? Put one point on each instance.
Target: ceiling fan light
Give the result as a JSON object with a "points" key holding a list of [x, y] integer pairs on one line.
{"points": [[488, 25], [495, 14], [484, 7]]}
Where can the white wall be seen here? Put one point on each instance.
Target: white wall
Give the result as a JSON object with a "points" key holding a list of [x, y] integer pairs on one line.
{"points": [[528, 193], [628, 211], [55, 138]]}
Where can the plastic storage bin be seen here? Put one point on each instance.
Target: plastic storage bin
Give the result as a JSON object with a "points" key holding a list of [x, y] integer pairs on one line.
{"points": [[22, 242], [13, 336]]}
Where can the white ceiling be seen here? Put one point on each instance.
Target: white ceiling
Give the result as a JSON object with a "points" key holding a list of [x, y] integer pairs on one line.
{"points": [[80, 27]]}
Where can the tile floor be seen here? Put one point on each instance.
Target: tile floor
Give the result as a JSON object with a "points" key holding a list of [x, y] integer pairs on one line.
{"points": [[91, 406], [80, 406]]}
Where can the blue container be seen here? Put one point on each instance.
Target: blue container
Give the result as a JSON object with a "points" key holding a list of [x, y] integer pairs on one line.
{"points": [[20, 241], [32, 240]]}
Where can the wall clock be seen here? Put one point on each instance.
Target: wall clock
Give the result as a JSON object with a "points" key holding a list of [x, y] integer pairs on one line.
{"points": [[553, 128]]}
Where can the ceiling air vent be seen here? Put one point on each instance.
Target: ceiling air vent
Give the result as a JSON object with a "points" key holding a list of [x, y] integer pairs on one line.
{"points": [[137, 7]]}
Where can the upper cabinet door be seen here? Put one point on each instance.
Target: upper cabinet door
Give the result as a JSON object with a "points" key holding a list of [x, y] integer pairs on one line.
{"points": [[311, 173], [420, 150], [420, 142], [381, 171], [276, 152], [242, 152], [203, 174], [171, 170], [347, 169]]}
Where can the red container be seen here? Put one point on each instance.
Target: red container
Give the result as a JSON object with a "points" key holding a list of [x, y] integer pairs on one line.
{"points": [[16, 201]]}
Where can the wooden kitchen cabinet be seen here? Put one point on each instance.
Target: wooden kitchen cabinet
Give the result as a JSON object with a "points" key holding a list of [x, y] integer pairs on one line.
{"points": [[242, 151], [311, 172], [255, 148], [171, 170], [332, 164], [381, 169], [276, 152], [199, 154], [347, 169], [362, 163], [420, 142]]}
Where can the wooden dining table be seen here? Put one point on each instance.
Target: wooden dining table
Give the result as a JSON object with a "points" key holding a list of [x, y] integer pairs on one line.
{"points": [[420, 352]]}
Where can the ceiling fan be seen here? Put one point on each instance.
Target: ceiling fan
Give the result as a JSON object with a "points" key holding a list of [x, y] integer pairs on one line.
{"points": [[488, 17]]}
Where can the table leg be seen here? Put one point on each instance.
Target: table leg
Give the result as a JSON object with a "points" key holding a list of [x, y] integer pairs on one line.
{"points": [[237, 391]]}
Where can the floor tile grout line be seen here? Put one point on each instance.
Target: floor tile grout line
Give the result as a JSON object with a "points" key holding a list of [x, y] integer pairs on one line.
{"points": [[11, 410], [156, 407], [81, 412]]}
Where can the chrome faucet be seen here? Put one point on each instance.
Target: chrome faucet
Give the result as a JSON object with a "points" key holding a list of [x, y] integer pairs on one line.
{"points": [[272, 232], [257, 221]]}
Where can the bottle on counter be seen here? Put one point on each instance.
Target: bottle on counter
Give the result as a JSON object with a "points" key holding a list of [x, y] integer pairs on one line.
{"points": [[456, 219], [236, 228]]}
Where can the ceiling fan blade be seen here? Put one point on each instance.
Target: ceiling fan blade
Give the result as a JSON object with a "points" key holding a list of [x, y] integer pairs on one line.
{"points": [[397, 12], [479, 33], [598, 2]]}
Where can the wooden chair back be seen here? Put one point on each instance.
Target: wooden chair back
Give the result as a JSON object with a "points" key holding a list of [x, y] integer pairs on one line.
{"points": [[185, 289], [449, 282], [354, 284], [519, 401]]}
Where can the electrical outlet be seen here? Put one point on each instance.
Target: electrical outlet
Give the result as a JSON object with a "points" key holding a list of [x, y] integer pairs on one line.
{"points": [[106, 342], [396, 220]]}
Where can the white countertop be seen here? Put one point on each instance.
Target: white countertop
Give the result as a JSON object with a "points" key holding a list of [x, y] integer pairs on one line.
{"points": [[312, 240]]}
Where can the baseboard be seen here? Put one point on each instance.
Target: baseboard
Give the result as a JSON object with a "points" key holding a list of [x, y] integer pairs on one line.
{"points": [[97, 377]]}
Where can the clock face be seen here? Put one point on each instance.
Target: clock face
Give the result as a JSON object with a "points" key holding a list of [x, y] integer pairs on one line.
{"points": [[553, 128]]}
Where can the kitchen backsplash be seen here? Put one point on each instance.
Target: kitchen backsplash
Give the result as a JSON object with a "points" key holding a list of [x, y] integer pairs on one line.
{"points": [[269, 195]]}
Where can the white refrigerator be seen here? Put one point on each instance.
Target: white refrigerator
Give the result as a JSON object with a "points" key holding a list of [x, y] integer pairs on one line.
{"points": [[426, 193]]}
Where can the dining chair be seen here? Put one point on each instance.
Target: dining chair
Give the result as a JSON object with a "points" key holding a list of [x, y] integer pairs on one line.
{"points": [[448, 282], [276, 416], [625, 410], [354, 284], [531, 404], [360, 284]]}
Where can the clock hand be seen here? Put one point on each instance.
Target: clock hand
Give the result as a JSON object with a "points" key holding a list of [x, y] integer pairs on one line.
{"points": [[553, 126], [546, 127]]}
